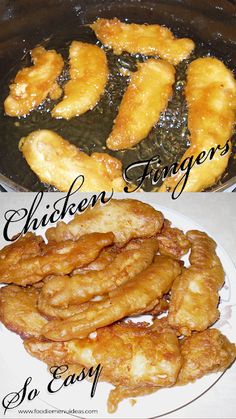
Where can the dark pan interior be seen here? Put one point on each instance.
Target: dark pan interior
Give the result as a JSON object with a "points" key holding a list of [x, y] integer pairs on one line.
{"points": [[55, 23]]}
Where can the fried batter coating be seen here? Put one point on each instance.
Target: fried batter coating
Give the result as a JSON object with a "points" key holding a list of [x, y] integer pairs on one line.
{"points": [[146, 97], [24, 247], [18, 311], [161, 325], [141, 293], [59, 163], [203, 353], [130, 354], [161, 307], [126, 218], [54, 259], [65, 290], [32, 84], [211, 99], [120, 393], [142, 39], [88, 78], [55, 313], [194, 294], [172, 241], [105, 257]]}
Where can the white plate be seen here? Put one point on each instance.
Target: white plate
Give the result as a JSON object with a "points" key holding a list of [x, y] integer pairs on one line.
{"points": [[16, 365]]}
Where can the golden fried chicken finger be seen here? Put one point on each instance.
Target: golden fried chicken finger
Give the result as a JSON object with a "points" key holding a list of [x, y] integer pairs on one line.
{"points": [[126, 218], [203, 353], [105, 257], [146, 97], [24, 247], [65, 290], [140, 293], [130, 354], [194, 294], [59, 163], [88, 78], [32, 84], [172, 241], [18, 311], [55, 258], [143, 39], [203, 254], [211, 99]]}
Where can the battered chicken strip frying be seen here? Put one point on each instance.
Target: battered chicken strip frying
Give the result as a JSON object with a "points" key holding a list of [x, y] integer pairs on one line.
{"points": [[204, 353], [172, 241], [65, 290], [59, 163], [140, 294], [211, 99], [130, 354], [146, 97], [32, 84], [88, 78], [194, 294], [54, 258], [126, 218], [18, 311], [143, 39]]}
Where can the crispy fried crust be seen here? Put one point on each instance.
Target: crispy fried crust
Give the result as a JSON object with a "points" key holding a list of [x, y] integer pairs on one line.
{"points": [[24, 247], [76, 289], [32, 84], [148, 358], [54, 258], [151, 358], [143, 39], [204, 353], [172, 241], [211, 99], [146, 97], [126, 218], [105, 257], [120, 393], [136, 296], [51, 312], [137, 358], [194, 294], [161, 307], [59, 163], [18, 311], [88, 78]]}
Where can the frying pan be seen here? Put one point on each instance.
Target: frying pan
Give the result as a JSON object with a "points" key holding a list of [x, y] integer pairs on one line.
{"points": [[55, 23]]}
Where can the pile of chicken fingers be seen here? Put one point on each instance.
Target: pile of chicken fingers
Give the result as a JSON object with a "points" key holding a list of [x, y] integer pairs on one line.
{"points": [[69, 298]]}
